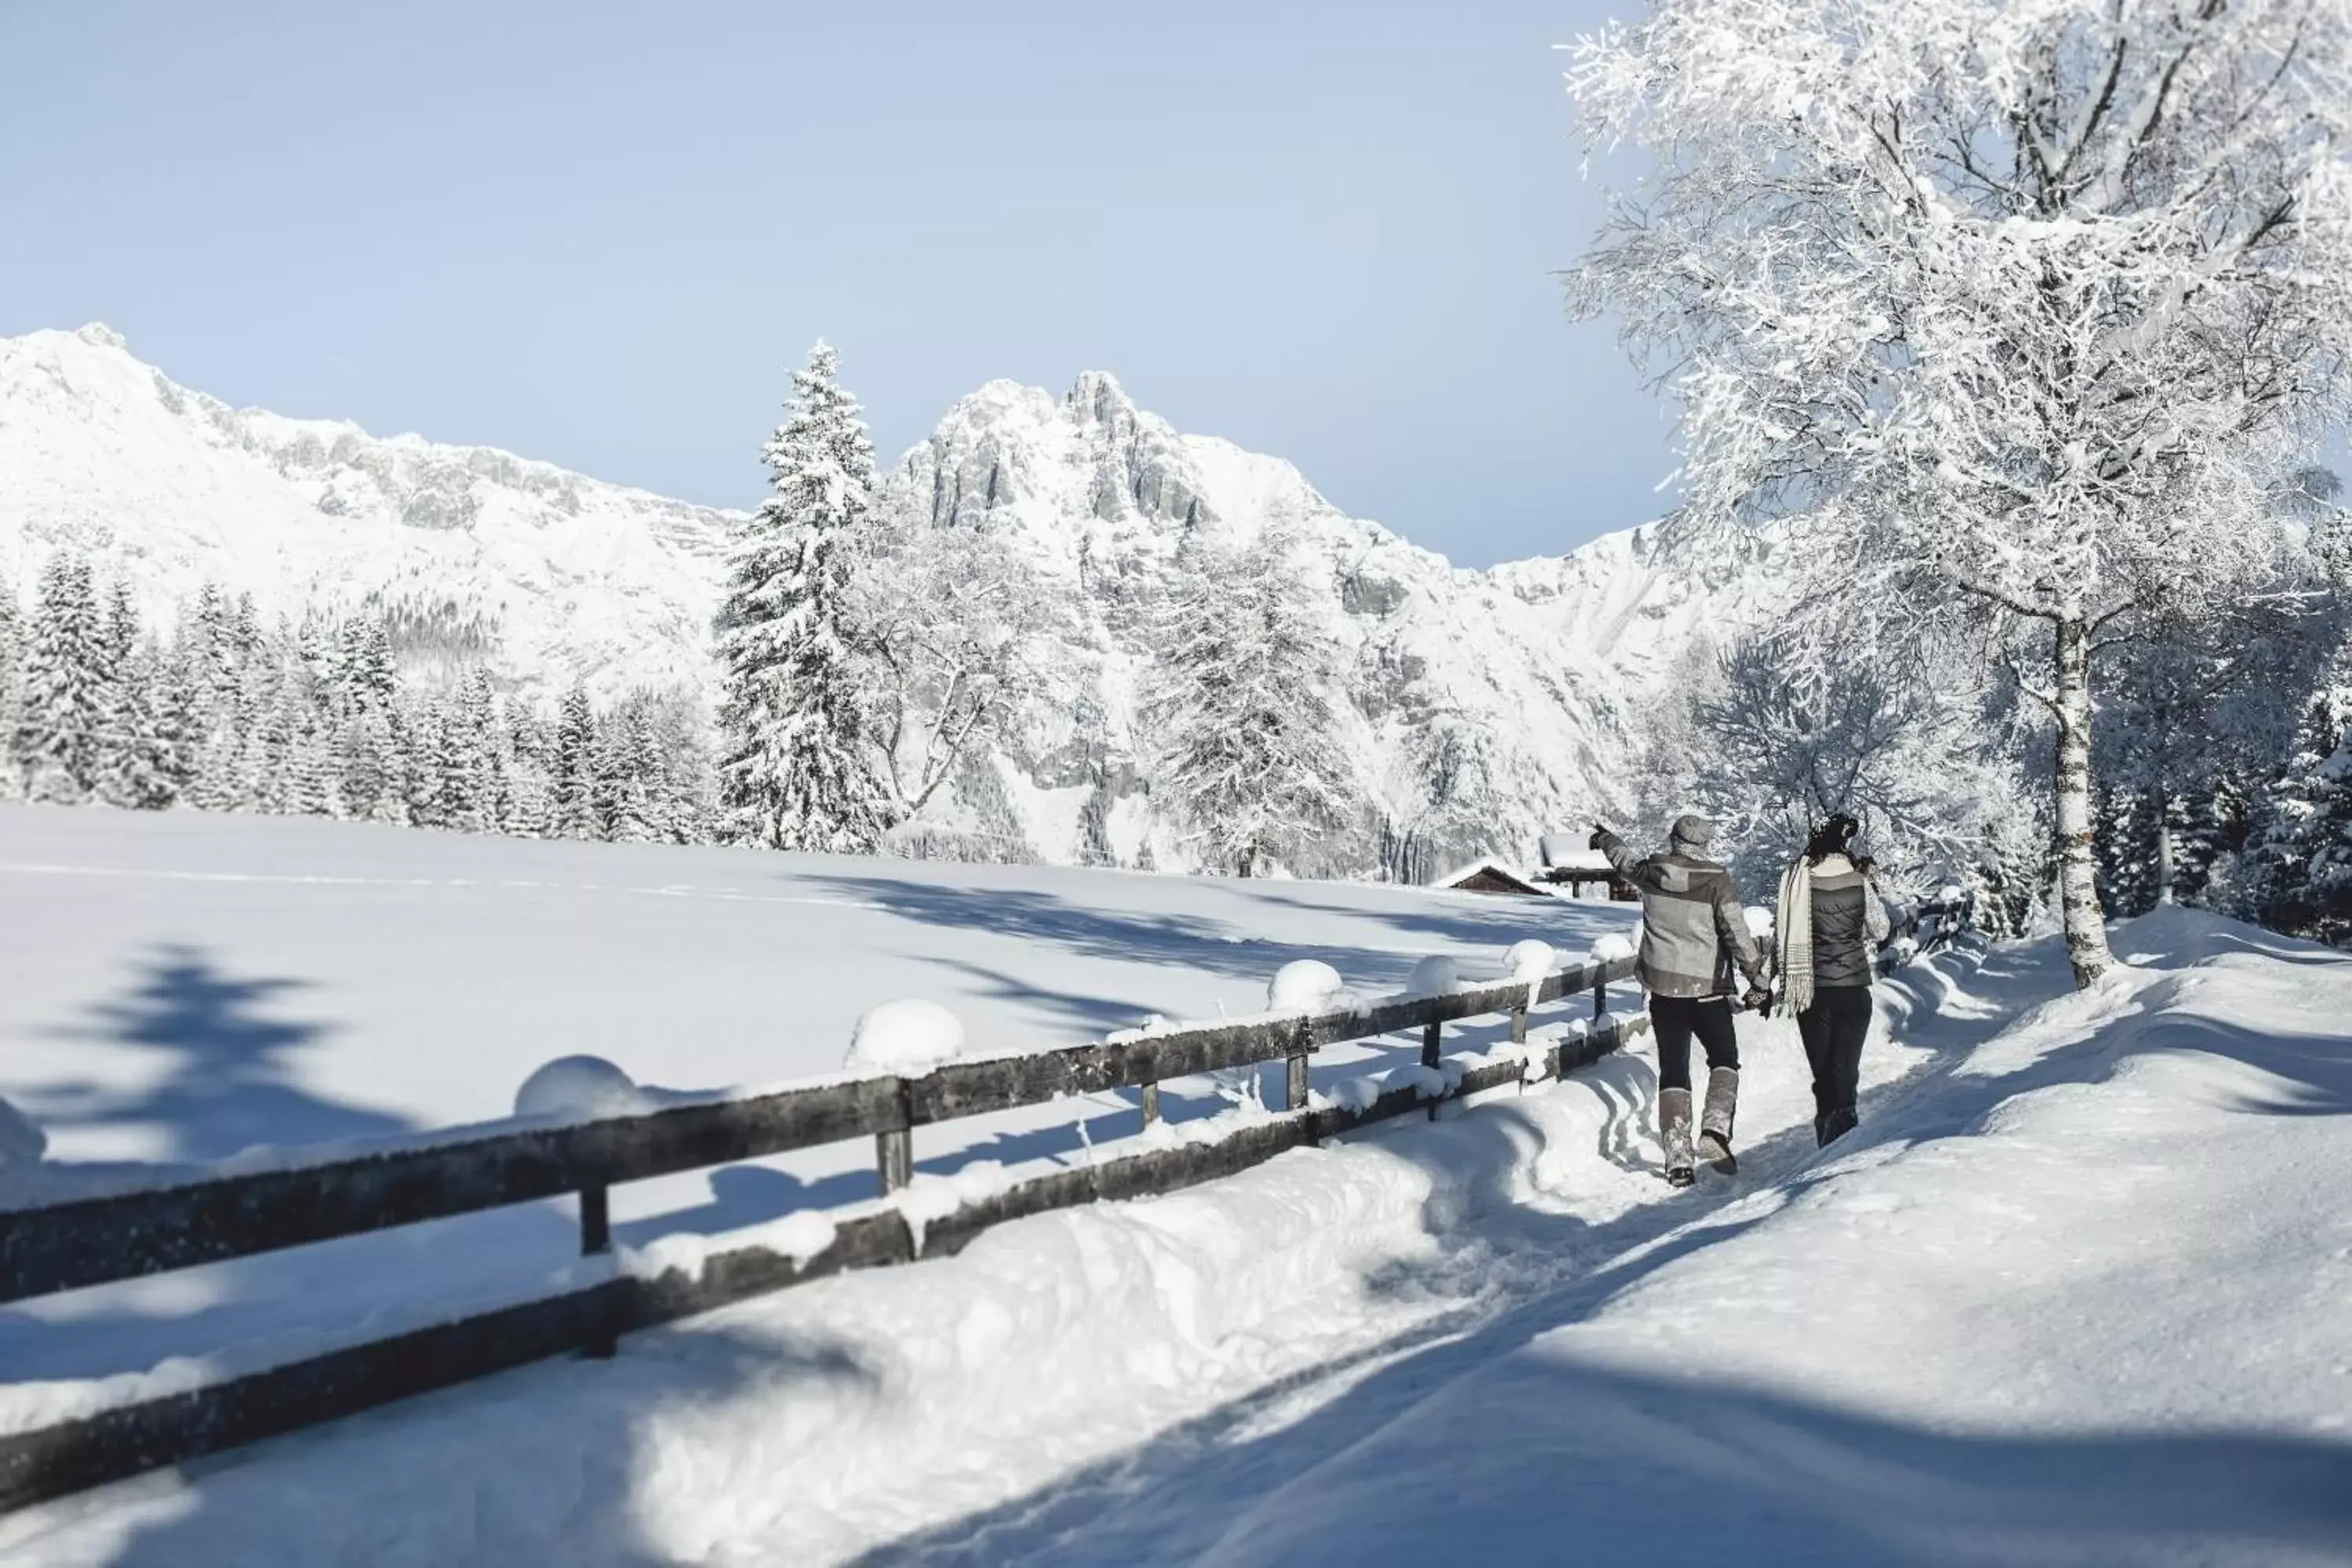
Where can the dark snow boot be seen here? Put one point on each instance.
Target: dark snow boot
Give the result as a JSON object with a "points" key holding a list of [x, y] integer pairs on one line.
{"points": [[1674, 1132], [1836, 1125], [1715, 1121]]}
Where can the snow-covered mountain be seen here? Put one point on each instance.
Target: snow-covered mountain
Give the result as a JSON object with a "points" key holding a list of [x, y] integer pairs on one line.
{"points": [[167, 487], [1539, 669]]}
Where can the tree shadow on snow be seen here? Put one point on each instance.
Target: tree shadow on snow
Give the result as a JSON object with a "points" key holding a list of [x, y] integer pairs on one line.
{"points": [[1190, 941], [230, 1080], [227, 1077], [1472, 919]]}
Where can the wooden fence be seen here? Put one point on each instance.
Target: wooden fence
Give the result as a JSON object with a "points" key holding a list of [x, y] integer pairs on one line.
{"points": [[154, 1230]]}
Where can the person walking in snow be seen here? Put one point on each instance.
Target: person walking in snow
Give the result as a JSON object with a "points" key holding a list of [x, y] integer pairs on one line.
{"points": [[1693, 937], [1831, 924]]}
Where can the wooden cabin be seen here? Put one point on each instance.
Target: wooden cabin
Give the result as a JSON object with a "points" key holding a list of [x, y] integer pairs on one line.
{"points": [[1491, 877]]}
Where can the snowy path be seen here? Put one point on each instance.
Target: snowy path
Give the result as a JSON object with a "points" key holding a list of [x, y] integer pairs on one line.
{"points": [[2076, 1296]]}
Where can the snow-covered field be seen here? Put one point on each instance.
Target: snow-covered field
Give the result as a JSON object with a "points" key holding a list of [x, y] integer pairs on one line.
{"points": [[2073, 1293], [179, 988]]}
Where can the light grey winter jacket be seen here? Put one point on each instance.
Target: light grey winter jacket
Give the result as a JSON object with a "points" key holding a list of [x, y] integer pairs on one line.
{"points": [[1693, 933]]}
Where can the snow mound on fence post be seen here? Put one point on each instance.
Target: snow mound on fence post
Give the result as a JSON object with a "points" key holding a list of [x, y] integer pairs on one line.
{"points": [[1761, 921], [1530, 960], [580, 1088], [1305, 986], [1611, 948], [908, 1037], [1433, 976]]}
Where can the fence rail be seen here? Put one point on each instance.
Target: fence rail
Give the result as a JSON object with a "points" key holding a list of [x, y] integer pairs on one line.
{"points": [[151, 1230]]}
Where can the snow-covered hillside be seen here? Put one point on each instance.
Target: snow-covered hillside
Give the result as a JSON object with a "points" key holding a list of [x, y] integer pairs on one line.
{"points": [[562, 575], [1532, 675], [2070, 1295]]}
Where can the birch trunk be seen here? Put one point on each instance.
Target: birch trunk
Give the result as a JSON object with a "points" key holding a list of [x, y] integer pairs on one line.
{"points": [[2078, 893], [2164, 848]]}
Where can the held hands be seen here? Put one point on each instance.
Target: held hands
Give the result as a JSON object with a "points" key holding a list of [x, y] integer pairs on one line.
{"points": [[1758, 1001]]}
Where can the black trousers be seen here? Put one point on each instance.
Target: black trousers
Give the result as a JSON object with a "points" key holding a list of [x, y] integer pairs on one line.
{"points": [[1674, 1019], [1834, 1028]]}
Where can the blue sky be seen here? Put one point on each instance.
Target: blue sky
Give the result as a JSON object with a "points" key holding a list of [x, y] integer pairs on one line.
{"points": [[603, 233]]}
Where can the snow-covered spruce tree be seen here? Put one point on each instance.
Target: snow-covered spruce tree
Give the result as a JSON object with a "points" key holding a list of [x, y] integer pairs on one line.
{"points": [[473, 745], [2021, 306], [530, 743], [2124, 845], [628, 778], [573, 784], [68, 689], [2192, 704], [2302, 879], [1248, 755], [148, 759], [12, 668], [797, 769]]}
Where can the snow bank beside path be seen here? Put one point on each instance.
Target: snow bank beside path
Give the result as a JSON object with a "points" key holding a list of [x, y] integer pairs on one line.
{"points": [[2080, 1299], [814, 1425]]}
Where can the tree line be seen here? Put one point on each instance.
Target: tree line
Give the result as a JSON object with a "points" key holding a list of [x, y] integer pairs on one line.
{"points": [[220, 712]]}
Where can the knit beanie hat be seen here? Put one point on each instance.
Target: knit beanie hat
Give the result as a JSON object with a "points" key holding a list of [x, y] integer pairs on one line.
{"points": [[1692, 832]]}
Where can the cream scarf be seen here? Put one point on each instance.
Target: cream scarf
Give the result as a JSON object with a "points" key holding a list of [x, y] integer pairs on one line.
{"points": [[1793, 934]]}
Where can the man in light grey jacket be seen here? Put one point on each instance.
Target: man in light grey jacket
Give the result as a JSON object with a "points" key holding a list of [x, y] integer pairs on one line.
{"points": [[1693, 936]]}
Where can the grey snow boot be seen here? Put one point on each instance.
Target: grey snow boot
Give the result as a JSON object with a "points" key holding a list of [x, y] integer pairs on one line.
{"points": [[1715, 1121], [1674, 1132]]}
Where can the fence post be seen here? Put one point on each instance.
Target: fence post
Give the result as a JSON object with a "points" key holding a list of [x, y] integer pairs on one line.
{"points": [[893, 1151], [1600, 994], [1293, 1081], [1151, 1103], [1428, 1055], [894, 1155], [597, 1237]]}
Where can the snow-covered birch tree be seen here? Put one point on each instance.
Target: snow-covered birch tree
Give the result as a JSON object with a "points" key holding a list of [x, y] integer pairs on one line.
{"points": [[956, 623], [1249, 756], [796, 771], [2020, 308]]}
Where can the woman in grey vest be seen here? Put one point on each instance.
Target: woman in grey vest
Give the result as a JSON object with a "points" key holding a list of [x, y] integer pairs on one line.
{"points": [[1831, 922]]}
